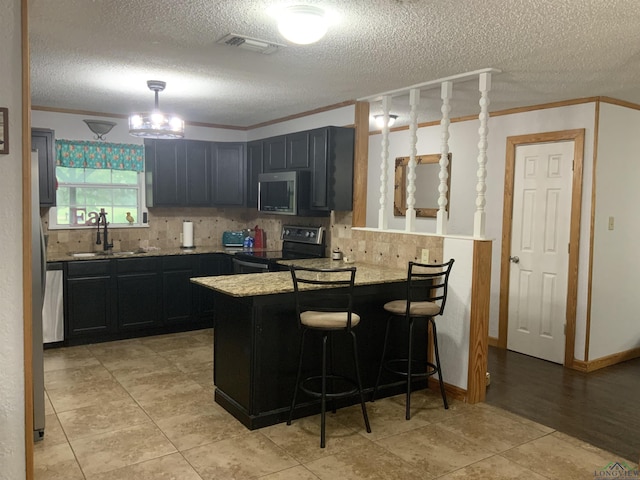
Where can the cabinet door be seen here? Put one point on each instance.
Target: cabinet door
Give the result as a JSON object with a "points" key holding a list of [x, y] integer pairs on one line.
{"points": [[198, 166], [254, 168], [228, 174], [297, 150], [138, 293], [318, 143], [88, 306], [138, 297], [177, 290], [166, 173], [274, 154], [211, 265], [43, 140]]}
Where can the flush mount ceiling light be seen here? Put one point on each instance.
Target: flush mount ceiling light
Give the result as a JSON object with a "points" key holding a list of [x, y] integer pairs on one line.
{"points": [[99, 127], [156, 124], [302, 24], [380, 120]]}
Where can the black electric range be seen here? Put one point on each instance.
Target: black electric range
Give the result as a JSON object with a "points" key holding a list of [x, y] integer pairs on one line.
{"points": [[298, 242]]}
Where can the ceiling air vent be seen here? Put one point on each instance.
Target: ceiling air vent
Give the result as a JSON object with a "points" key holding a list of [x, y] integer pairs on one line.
{"points": [[248, 43]]}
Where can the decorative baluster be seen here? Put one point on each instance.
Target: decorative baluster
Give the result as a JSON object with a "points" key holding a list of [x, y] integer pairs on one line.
{"points": [[442, 216], [384, 157], [479, 219], [410, 214]]}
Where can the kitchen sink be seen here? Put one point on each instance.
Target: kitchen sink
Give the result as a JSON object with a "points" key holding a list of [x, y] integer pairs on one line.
{"points": [[84, 254], [101, 254]]}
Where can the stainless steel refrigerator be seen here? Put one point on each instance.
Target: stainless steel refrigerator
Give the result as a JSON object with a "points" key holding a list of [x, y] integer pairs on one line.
{"points": [[39, 265]]}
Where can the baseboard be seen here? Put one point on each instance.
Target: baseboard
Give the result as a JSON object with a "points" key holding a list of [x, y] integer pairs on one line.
{"points": [[451, 390], [602, 362], [493, 341]]}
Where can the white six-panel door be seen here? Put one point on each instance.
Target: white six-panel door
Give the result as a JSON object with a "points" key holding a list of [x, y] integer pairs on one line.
{"points": [[539, 249]]}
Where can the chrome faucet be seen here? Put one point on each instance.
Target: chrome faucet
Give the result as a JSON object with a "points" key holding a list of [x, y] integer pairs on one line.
{"points": [[102, 219]]}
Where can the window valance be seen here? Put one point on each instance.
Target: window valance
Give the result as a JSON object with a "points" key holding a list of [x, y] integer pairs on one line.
{"points": [[99, 155]]}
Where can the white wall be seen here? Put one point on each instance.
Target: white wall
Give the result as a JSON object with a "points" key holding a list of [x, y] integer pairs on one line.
{"points": [[615, 303], [71, 127], [338, 117], [12, 452], [464, 150]]}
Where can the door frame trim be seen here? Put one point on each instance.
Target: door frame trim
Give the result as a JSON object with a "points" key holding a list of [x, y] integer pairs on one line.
{"points": [[577, 136]]}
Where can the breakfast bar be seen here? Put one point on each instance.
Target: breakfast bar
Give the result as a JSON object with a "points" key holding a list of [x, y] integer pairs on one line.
{"points": [[256, 340]]}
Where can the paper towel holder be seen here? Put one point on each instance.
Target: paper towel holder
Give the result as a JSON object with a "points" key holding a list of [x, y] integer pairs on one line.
{"points": [[183, 235]]}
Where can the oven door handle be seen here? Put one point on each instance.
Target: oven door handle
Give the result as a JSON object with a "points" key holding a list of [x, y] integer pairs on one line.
{"points": [[242, 263]]}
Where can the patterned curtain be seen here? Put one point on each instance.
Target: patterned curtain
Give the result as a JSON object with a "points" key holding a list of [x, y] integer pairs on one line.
{"points": [[100, 155]]}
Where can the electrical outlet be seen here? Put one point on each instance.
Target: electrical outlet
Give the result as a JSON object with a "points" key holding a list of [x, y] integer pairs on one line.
{"points": [[610, 223], [425, 256]]}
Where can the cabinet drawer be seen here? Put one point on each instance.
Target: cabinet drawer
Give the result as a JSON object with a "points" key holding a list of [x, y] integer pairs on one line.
{"points": [[178, 262], [132, 265], [86, 268]]}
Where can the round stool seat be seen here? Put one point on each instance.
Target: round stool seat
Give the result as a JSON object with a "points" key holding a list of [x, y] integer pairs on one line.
{"points": [[328, 320], [417, 309]]}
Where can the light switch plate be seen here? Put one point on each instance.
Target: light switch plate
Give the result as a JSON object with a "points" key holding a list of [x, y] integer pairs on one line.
{"points": [[610, 223], [425, 256]]}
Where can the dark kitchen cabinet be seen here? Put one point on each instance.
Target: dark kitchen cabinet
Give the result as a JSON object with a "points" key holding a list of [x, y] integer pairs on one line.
{"points": [[228, 174], [178, 293], [138, 293], [209, 265], [274, 154], [254, 168], [198, 165], [43, 140], [297, 153], [88, 298], [166, 173], [331, 158]]}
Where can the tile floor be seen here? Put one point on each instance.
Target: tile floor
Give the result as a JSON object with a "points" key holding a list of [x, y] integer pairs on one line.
{"points": [[143, 409]]}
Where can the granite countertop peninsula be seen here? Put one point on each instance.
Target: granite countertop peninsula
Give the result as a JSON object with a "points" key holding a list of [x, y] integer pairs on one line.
{"points": [[150, 252], [272, 283]]}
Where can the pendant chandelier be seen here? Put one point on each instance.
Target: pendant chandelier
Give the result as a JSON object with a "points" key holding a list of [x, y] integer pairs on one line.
{"points": [[156, 124]]}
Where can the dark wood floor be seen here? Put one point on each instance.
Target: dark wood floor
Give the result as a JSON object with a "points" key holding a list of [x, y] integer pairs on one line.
{"points": [[601, 407]]}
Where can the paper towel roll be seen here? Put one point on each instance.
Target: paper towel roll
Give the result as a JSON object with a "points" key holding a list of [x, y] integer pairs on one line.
{"points": [[187, 234]]}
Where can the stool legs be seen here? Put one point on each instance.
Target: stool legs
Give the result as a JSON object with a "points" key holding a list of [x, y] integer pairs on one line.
{"points": [[359, 380], [384, 353], [326, 345], [407, 414], [295, 389], [437, 359]]}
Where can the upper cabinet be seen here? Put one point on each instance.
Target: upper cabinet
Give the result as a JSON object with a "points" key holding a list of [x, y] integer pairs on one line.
{"points": [[166, 173], [228, 174], [254, 168], [274, 156], [297, 153], [43, 140], [194, 173]]}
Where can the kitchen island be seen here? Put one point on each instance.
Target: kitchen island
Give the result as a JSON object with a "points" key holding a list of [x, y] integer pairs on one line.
{"points": [[256, 340]]}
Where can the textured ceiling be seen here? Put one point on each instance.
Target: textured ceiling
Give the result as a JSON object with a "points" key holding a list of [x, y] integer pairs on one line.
{"points": [[96, 55]]}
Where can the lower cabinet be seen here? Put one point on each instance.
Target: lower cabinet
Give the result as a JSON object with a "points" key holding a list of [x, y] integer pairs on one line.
{"points": [[127, 297], [89, 298]]}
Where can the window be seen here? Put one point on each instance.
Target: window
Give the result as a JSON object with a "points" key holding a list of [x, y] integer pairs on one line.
{"points": [[82, 191]]}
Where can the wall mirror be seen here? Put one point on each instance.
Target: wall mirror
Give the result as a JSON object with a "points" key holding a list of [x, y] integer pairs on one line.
{"points": [[427, 182], [4, 130]]}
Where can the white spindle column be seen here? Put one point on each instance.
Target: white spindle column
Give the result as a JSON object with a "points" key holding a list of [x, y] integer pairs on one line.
{"points": [[384, 157], [442, 217], [479, 219], [410, 214]]}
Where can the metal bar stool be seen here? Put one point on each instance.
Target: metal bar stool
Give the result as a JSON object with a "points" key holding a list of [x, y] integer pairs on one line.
{"points": [[324, 303], [426, 297]]}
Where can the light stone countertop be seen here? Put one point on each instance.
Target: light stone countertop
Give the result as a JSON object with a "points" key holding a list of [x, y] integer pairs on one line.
{"points": [[272, 283], [68, 257]]}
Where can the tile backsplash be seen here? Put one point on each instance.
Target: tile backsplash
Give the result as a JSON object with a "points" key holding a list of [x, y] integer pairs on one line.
{"points": [[165, 227]]}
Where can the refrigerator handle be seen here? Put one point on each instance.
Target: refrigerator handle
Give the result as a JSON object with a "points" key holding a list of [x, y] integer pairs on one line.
{"points": [[43, 262]]}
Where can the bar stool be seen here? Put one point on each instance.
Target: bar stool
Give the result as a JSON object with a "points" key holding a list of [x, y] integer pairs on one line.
{"points": [[324, 304], [426, 296]]}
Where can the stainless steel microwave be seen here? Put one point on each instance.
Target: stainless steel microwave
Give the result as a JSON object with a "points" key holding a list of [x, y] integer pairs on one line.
{"points": [[284, 193]]}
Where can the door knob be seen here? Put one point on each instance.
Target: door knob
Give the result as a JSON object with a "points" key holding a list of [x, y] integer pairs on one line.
{"points": [[515, 259]]}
